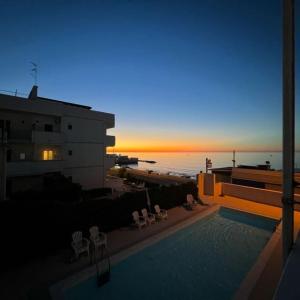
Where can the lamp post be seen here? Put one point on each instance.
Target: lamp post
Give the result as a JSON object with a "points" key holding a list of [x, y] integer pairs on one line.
{"points": [[208, 164], [288, 127], [233, 159]]}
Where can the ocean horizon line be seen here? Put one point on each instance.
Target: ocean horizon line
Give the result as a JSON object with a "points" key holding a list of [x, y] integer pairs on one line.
{"points": [[215, 151]]}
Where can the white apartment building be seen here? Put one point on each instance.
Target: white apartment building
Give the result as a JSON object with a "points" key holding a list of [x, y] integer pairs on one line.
{"points": [[39, 136]]}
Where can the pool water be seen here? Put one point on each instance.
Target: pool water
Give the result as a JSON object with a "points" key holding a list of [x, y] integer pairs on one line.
{"points": [[206, 260]]}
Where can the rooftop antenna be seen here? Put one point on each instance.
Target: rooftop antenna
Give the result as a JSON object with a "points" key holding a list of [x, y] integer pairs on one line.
{"points": [[34, 72]]}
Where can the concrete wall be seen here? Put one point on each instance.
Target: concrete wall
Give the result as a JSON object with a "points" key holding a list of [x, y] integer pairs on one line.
{"points": [[83, 155], [206, 184], [83, 130], [109, 162], [89, 178], [264, 196], [200, 184], [209, 181], [218, 189], [269, 197]]}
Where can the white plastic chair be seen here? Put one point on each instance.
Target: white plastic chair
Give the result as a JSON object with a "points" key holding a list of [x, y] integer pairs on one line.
{"points": [[190, 201], [80, 244], [98, 239], [150, 218], [139, 221], [160, 213]]}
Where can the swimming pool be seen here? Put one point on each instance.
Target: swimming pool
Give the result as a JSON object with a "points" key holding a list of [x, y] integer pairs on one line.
{"points": [[205, 260]]}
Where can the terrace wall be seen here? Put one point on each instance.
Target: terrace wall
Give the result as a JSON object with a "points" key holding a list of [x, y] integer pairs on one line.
{"points": [[264, 196]]}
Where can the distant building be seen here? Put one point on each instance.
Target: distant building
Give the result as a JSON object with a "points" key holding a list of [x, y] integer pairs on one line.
{"points": [[39, 136]]}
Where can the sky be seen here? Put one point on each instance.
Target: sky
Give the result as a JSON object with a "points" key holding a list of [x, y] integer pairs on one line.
{"points": [[178, 75]]}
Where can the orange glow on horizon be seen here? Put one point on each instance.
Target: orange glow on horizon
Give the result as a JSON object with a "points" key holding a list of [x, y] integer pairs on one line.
{"points": [[185, 143], [186, 148]]}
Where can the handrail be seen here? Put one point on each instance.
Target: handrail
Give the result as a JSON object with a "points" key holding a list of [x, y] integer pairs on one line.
{"points": [[102, 277]]}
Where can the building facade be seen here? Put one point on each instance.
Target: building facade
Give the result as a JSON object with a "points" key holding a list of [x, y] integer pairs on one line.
{"points": [[39, 136]]}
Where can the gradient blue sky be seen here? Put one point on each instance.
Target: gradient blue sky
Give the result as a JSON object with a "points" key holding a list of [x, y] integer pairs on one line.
{"points": [[178, 75]]}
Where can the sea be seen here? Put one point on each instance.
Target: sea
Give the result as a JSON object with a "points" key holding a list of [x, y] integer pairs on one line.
{"points": [[191, 163]]}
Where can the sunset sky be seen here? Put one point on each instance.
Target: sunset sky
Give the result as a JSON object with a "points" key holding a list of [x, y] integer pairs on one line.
{"points": [[178, 75]]}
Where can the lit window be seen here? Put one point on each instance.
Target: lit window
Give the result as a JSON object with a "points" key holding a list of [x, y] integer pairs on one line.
{"points": [[47, 155], [22, 156]]}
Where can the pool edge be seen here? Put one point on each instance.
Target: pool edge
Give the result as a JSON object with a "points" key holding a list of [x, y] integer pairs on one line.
{"points": [[250, 280]]}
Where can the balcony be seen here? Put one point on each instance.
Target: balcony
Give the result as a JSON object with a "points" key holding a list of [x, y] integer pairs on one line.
{"points": [[19, 136], [47, 137], [35, 137], [27, 168], [110, 140]]}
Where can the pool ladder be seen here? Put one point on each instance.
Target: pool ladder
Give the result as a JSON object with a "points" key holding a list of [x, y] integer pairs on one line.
{"points": [[102, 265]]}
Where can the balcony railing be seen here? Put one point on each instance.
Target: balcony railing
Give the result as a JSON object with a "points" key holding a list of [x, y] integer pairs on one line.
{"points": [[47, 137], [35, 136], [19, 135], [27, 168]]}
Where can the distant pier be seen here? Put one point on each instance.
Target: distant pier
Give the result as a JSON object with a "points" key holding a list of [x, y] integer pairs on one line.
{"points": [[125, 160], [148, 161]]}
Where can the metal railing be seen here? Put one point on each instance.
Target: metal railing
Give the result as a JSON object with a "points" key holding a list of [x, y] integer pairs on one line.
{"points": [[13, 93]]}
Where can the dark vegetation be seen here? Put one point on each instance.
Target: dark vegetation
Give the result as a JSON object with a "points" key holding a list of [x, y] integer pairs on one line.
{"points": [[35, 224]]}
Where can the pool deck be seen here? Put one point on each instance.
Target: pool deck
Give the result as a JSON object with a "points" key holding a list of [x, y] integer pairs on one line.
{"points": [[36, 276]]}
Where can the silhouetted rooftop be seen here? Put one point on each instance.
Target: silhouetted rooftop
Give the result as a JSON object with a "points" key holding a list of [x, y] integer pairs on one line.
{"points": [[65, 103]]}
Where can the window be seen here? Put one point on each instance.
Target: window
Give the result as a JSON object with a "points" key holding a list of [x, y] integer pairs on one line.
{"points": [[70, 126], [48, 127], [48, 155], [22, 156], [70, 152]]}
